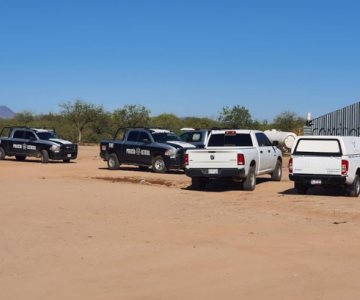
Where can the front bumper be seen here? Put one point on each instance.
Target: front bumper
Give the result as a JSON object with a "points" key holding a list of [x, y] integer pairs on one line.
{"points": [[306, 179], [206, 172], [67, 152]]}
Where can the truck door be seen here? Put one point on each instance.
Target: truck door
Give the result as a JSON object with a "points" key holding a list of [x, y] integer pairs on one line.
{"points": [[130, 147], [17, 144], [267, 152], [31, 143], [145, 148]]}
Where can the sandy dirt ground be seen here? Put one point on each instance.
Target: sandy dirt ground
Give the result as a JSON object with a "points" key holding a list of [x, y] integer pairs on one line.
{"points": [[80, 231]]}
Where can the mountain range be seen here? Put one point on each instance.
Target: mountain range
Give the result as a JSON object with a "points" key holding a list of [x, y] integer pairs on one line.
{"points": [[6, 113]]}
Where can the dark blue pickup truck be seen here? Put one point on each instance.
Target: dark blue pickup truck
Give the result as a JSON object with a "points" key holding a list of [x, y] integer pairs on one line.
{"points": [[22, 142], [145, 147]]}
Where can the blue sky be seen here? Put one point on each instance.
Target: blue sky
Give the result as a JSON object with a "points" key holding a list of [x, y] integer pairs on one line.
{"points": [[184, 57]]}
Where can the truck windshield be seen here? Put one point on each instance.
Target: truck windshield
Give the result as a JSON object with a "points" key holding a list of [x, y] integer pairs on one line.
{"points": [[46, 135], [163, 137], [318, 147], [236, 140]]}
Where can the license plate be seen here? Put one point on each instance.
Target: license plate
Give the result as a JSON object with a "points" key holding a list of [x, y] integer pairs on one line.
{"points": [[213, 171], [69, 155], [315, 181]]}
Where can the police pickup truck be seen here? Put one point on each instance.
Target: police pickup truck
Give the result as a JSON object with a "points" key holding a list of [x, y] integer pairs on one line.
{"points": [[161, 149], [41, 143], [235, 154]]}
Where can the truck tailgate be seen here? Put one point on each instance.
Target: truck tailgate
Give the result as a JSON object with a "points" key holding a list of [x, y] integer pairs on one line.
{"points": [[213, 159], [317, 165]]}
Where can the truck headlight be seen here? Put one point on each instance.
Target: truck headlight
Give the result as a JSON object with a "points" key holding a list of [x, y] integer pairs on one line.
{"points": [[55, 148], [171, 153]]}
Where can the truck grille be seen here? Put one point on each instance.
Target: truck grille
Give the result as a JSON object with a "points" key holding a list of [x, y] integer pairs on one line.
{"points": [[70, 148]]}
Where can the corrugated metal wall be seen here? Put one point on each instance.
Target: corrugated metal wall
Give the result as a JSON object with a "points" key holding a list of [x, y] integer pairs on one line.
{"points": [[345, 121]]}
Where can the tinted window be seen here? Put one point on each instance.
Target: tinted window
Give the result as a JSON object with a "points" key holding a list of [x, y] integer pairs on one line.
{"points": [[18, 134], [132, 137], [191, 137], [46, 135], [262, 140], [318, 147], [186, 137], [221, 140], [143, 137], [163, 137], [29, 135]]}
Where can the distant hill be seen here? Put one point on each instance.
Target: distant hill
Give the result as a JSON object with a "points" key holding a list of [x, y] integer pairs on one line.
{"points": [[6, 113]]}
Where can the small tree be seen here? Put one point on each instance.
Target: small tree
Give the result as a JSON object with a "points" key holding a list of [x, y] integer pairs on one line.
{"points": [[24, 117], [131, 116], [168, 121], [81, 114], [288, 121], [197, 122], [236, 117]]}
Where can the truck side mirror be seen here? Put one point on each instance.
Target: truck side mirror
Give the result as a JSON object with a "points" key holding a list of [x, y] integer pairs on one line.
{"points": [[275, 143]]}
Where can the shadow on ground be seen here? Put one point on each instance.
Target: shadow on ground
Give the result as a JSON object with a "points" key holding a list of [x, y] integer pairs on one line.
{"points": [[318, 191]]}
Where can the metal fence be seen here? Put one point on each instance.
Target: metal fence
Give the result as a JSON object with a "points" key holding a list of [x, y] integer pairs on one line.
{"points": [[345, 121]]}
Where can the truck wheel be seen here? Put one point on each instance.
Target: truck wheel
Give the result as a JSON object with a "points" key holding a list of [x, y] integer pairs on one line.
{"points": [[198, 183], [66, 160], [158, 165], [20, 157], [2, 153], [44, 156], [113, 162], [250, 181], [301, 188], [354, 188], [276, 175]]}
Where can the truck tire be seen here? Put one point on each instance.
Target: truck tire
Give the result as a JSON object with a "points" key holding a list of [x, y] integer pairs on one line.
{"points": [[250, 181], [354, 188], [158, 164], [44, 156], [198, 183], [66, 160], [276, 175], [301, 188], [20, 157], [2, 153], [113, 162]]}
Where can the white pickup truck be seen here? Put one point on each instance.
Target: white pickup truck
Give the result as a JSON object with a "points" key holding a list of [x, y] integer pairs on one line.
{"points": [[240, 155], [326, 161]]}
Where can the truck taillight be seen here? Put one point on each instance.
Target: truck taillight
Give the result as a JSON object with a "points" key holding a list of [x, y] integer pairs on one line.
{"points": [[290, 165], [240, 159], [186, 159], [344, 167]]}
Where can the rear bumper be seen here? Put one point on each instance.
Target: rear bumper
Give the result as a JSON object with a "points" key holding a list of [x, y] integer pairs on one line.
{"points": [[221, 173], [325, 179]]}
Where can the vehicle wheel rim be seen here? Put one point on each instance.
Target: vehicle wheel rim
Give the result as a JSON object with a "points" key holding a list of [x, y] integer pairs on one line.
{"points": [[357, 187], [111, 162], [159, 164]]}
